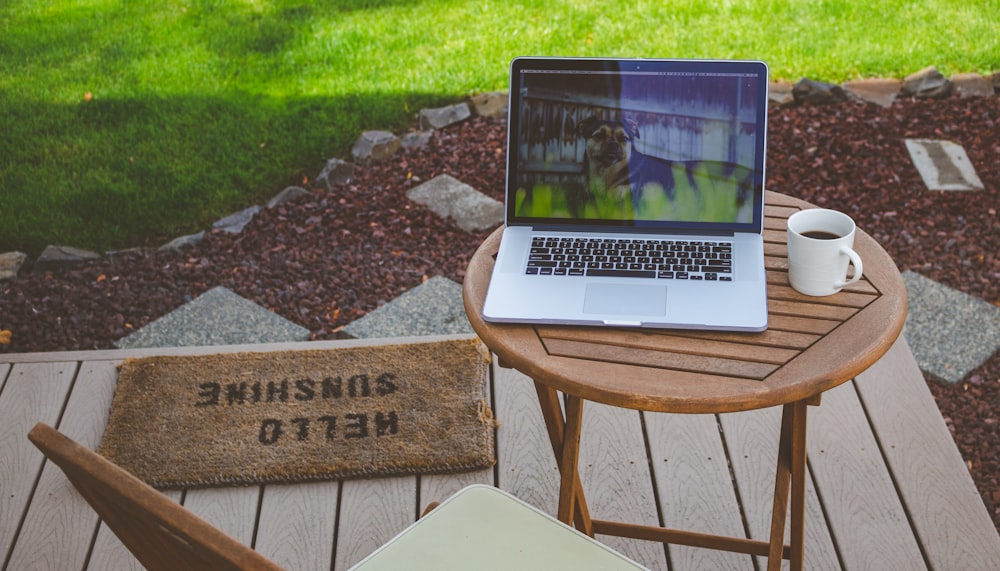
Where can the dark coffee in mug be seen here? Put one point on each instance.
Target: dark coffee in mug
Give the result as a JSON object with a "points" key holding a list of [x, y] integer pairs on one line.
{"points": [[820, 235]]}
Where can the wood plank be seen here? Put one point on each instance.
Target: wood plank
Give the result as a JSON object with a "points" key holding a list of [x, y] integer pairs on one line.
{"points": [[752, 440], [687, 344], [60, 525], [691, 472], [119, 354], [947, 511], [660, 359], [616, 480], [33, 393], [816, 327], [657, 339], [812, 309], [777, 276], [846, 298], [371, 513], [526, 467], [439, 487], [774, 253], [232, 510], [775, 235], [864, 513], [297, 524]]}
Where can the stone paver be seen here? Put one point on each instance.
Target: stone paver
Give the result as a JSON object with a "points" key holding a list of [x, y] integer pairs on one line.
{"points": [[950, 333], [943, 165], [451, 198], [217, 317], [432, 308]]}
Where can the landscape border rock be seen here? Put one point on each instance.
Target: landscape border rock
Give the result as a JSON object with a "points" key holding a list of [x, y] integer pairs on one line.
{"points": [[972, 85], [290, 193], [927, 83], [442, 117], [875, 90], [492, 105], [10, 264], [376, 146], [337, 171], [181, 242], [234, 223], [814, 92], [58, 258]]}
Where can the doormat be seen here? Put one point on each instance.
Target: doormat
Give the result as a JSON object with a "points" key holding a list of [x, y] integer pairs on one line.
{"points": [[294, 416]]}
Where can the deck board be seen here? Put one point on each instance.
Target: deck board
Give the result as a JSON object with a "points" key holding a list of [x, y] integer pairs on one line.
{"points": [[752, 442], [951, 523], [886, 488], [616, 480], [60, 528], [867, 516], [695, 489]]}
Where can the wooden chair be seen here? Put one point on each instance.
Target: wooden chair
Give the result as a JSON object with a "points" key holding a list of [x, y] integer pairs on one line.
{"points": [[159, 532]]}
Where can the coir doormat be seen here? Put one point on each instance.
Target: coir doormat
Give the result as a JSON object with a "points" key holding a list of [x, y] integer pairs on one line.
{"points": [[256, 418]]}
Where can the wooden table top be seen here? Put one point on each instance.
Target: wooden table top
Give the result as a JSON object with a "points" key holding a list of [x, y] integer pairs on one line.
{"points": [[812, 343]]}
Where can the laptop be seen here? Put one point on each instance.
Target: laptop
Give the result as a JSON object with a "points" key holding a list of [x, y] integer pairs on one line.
{"points": [[634, 195]]}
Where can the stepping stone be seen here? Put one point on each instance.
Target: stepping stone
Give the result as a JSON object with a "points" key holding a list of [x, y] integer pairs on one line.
{"points": [[943, 165], [216, 317], [950, 333], [449, 197], [432, 308]]}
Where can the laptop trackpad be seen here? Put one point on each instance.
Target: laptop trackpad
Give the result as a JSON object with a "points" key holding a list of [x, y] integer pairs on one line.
{"points": [[625, 299]]}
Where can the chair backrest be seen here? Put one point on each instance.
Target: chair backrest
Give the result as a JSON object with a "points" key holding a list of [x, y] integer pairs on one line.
{"points": [[159, 532]]}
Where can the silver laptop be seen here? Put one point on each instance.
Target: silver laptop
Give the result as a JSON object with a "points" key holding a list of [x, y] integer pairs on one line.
{"points": [[634, 195]]}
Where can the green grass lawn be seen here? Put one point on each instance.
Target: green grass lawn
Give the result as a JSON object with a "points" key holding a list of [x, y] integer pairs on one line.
{"points": [[197, 108]]}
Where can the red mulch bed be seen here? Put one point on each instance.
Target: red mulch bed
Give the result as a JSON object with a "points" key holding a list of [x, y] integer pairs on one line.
{"points": [[326, 259]]}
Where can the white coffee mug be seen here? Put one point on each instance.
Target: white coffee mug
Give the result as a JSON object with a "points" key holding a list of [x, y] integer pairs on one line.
{"points": [[820, 250]]}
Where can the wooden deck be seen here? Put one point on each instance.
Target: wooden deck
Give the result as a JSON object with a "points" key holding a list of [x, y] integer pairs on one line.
{"points": [[887, 488]]}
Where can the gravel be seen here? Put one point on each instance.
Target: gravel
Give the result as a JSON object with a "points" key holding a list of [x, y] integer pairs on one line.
{"points": [[328, 258]]}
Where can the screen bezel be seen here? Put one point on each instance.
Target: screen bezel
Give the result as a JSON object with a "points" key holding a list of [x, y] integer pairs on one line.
{"points": [[756, 68]]}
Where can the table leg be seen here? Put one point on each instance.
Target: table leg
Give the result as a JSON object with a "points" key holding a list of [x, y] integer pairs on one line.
{"points": [[564, 435], [791, 470]]}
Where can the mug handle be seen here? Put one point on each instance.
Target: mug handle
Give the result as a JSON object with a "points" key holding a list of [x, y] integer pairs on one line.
{"points": [[856, 262]]}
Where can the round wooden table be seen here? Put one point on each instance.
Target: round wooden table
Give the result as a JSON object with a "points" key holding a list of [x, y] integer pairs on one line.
{"points": [[812, 345]]}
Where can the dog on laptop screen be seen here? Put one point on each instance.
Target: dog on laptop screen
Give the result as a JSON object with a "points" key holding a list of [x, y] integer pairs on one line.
{"points": [[623, 182]]}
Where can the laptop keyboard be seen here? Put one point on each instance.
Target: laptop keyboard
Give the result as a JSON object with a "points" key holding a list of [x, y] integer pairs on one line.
{"points": [[662, 259]]}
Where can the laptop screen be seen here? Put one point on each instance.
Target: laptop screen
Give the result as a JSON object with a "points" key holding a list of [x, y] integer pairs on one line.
{"points": [[673, 145]]}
